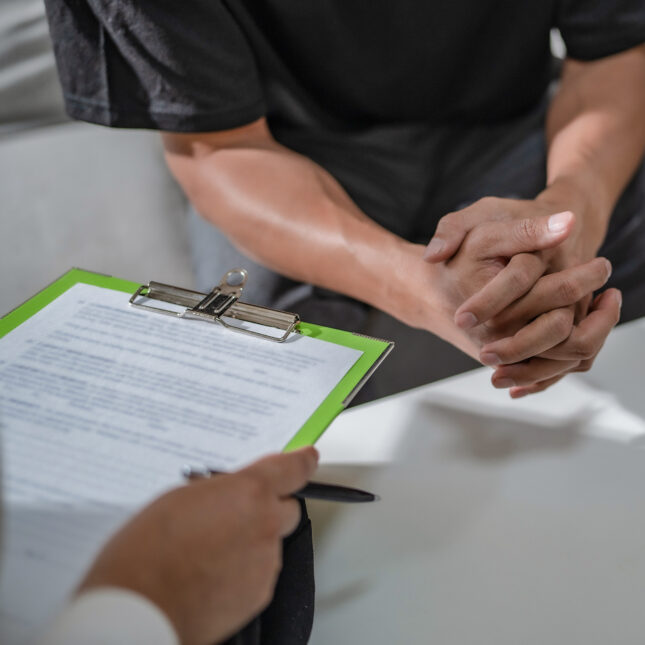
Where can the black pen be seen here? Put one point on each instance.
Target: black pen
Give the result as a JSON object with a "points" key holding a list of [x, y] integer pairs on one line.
{"points": [[313, 490]]}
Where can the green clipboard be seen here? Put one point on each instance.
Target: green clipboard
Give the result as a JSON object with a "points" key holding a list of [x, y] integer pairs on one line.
{"points": [[374, 350]]}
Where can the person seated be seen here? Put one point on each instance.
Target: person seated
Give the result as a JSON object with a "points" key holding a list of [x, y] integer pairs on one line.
{"points": [[331, 144]]}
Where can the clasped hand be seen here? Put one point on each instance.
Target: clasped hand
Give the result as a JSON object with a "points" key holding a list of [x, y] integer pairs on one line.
{"points": [[515, 277]]}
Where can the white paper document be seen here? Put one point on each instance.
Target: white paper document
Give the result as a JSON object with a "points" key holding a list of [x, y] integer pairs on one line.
{"points": [[101, 406]]}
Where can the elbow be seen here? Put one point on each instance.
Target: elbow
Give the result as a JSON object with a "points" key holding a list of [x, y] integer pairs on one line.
{"points": [[199, 160]]}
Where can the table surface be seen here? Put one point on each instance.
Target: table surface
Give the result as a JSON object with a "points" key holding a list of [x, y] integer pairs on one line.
{"points": [[500, 521]]}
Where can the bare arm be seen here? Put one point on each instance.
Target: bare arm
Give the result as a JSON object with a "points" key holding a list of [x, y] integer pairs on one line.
{"points": [[292, 216], [596, 138], [286, 211], [595, 134]]}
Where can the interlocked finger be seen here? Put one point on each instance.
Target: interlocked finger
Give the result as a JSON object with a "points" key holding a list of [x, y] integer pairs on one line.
{"points": [[546, 331], [588, 337], [531, 372], [512, 282], [556, 290], [518, 392]]}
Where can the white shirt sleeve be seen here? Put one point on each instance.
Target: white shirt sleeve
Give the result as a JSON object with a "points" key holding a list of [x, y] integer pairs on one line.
{"points": [[110, 616]]}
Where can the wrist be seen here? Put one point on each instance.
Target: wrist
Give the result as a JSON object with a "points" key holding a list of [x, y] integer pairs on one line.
{"points": [[590, 209], [414, 296], [388, 280], [399, 282]]}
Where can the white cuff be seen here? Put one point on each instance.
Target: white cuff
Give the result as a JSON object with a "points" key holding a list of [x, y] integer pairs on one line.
{"points": [[110, 616]]}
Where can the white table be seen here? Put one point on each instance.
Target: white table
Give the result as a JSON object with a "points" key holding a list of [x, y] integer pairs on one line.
{"points": [[505, 522]]}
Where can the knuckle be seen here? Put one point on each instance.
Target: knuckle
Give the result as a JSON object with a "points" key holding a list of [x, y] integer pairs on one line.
{"points": [[583, 348], [507, 352], [488, 203], [497, 326], [584, 366], [489, 269], [484, 202], [448, 218], [569, 291], [561, 323], [479, 238], [526, 230], [447, 222]]}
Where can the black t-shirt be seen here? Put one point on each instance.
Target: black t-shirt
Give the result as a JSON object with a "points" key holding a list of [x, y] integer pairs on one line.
{"points": [[404, 102], [202, 65]]}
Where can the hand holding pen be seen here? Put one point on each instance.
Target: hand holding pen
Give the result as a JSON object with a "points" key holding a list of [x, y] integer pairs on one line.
{"points": [[312, 490]]}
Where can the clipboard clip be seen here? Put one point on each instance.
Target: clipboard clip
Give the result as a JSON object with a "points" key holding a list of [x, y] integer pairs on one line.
{"points": [[220, 304]]}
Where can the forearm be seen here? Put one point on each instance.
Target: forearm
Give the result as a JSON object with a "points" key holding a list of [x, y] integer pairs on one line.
{"points": [[292, 216], [596, 138]]}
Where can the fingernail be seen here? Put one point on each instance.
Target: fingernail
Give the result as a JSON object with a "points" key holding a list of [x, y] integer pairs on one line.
{"points": [[609, 268], [504, 382], [435, 247], [466, 320], [558, 222], [619, 299], [491, 359]]}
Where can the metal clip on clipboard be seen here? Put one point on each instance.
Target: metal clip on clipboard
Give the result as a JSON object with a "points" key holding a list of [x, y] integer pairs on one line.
{"points": [[222, 302]]}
